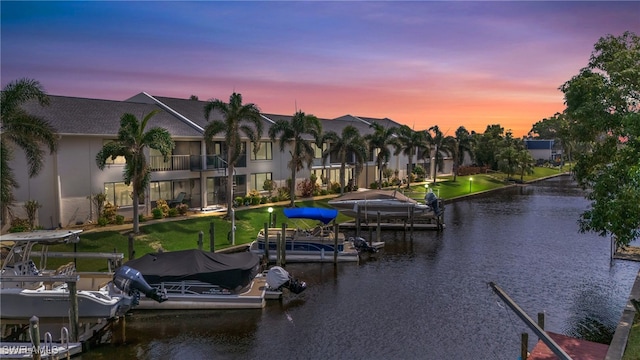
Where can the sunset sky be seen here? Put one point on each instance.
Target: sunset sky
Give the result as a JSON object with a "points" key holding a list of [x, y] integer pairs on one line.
{"points": [[420, 63]]}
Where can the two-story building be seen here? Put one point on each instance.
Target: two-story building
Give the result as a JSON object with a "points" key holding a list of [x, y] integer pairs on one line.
{"points": [[70, 177]]}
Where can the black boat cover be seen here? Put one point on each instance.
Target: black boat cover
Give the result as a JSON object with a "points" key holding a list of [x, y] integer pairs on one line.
{"points": [[228, 271]]}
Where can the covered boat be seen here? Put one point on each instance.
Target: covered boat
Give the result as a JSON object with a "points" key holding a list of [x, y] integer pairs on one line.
{"points": [[390, 204], [196, 279]]}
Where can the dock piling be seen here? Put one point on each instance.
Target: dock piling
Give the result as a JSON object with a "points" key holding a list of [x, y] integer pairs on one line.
{"points": [[266, 241], [200, 238], [524, 346], [34, 332], [212, 236]]}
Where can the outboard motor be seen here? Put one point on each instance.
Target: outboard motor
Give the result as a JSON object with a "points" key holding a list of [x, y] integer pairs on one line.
{"points": [[278, 278], [432, 200], [131, 281], [362, 245]]}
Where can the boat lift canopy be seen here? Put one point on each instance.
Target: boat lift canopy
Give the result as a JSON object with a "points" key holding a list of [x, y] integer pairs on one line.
{"points": [[320, 214]]}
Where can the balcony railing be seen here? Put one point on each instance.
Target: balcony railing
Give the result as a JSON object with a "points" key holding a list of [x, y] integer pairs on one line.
{"points": [[175, 162], [191, 162]]}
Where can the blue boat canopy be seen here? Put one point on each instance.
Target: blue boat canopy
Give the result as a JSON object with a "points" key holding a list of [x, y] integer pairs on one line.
{"points": [[324, 215]]}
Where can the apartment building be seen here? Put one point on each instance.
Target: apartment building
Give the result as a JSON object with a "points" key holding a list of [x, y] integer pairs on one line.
{"points": [[70, 176]]}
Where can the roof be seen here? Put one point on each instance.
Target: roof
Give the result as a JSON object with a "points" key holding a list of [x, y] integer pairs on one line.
{"points": [[82, 116], [537, 144], [181, 117]]}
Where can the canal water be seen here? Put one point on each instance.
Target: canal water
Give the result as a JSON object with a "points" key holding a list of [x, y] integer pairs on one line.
{"points": [[421, 298]]}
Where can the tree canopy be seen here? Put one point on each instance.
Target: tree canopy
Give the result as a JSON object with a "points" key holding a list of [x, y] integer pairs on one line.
{"points": [[24, 130], [132, 140], [602, 106]]}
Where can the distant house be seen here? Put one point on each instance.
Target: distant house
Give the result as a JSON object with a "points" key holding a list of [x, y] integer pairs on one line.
{"points": [[71, 177], [543, 150]]}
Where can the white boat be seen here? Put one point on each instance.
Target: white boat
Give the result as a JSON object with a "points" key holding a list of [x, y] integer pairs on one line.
{"points": [[390, 204], [315, 245], [27, 290], [196, 279]]}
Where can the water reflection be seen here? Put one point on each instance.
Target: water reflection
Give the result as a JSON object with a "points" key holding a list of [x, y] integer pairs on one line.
{"points": [[425, 297]]}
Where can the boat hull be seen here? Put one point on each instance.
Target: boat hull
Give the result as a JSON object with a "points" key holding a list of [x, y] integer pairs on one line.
{"points": [[179, 297], [369, 210], [45, 303], [305, 251]]}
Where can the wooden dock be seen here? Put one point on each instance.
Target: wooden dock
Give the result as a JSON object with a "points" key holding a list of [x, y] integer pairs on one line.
{"points": [[393, 226], [576, 348]]}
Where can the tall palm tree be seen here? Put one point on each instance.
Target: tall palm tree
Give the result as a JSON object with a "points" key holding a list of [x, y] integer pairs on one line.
{"points": [[238, 119], [438, 144], [463, 144], [302, 152], [381, 138], [526, 164], [408, 143], [348, 143], [133, 138], [26, 131]]}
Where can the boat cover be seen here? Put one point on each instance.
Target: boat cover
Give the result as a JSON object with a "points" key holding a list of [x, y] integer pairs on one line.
{"points": [[228, 271], [324, 215]]}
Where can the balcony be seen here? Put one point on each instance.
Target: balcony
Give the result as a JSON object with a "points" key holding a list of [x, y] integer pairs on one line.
{"points": [[175, 163], [191, 163]]}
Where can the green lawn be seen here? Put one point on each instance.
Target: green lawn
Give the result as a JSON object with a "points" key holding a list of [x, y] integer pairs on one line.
{"points": [[632, 351]]}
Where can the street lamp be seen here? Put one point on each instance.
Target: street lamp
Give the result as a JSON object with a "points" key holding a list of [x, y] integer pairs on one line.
{"points": [[270, 210], [470, 181]]}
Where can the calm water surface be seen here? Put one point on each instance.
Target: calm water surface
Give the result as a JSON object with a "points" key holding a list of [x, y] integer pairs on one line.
{"points": [[425, 298]]}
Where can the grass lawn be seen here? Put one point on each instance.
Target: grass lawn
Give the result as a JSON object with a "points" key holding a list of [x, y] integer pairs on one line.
{"points": [[632, 352]]}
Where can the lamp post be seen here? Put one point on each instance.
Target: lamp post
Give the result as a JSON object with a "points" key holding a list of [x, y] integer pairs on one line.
{"points": [[270, 210], [470, 181]]}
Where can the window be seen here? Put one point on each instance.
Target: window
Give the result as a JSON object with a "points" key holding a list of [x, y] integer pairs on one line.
{"points": [[120, 160], [160, 190], [264, 153], [120, 194], [257, 180], [318, 151]]}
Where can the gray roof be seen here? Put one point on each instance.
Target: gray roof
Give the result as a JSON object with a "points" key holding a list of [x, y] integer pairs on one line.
{"points": [[181, 117], [81, 116]]}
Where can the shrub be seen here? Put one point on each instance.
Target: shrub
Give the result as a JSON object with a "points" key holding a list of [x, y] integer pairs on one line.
{"points": [[31, 207], [119, 219], [98, 200], [306, 188], [420, 172], [283, 193], [141, 218], [269, 186], [157, 213], [163, 206], [335, 187], [102, 221], [109, 213], [238, 201], [324, 192], [264, 199], [182, 209], [19, 225], [173, 212]]}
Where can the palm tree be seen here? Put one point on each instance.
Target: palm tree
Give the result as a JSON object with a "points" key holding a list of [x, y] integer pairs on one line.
{"points": [[349, 142], [526, 164], [28, 132], [381, 138], [238, 118], [463, 144], [407, 143], [131, 143], [301, 150], [438, 144]]}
